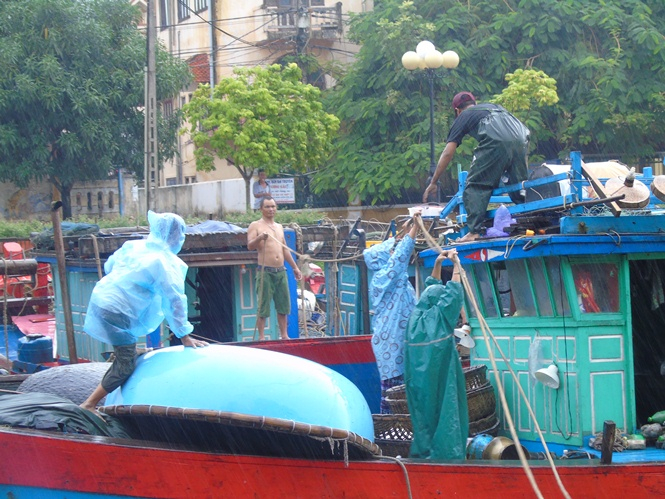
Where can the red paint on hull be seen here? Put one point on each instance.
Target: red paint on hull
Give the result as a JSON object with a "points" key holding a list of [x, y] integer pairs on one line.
{"points": [[93, 465], [326, 351]]}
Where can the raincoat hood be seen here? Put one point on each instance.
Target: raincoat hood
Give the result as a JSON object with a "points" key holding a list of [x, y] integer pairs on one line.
{"points": [[167, 228]]}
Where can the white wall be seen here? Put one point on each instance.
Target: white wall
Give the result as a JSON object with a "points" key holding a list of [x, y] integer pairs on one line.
{"points": [[201, 199]]}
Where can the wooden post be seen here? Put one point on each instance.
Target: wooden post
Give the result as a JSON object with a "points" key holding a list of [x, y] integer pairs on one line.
{"points": [[609, 429], [62, 277]]}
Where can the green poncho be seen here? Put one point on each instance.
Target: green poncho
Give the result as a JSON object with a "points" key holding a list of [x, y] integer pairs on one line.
{"points": [[435, 385]]}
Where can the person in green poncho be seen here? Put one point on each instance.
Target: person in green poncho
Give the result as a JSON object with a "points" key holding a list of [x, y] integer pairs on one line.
{"points": [[435, 385]]}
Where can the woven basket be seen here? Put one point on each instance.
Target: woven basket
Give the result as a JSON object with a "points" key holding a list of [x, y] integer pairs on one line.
{"points": [[398, 406], [396, 392], [394, 448], [393, 433], [475, 377], [488, 426], [481, 402], [392, 426]]}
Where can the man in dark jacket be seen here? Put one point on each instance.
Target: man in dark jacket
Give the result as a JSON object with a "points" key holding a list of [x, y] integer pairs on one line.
{"points": [[503, 143]]}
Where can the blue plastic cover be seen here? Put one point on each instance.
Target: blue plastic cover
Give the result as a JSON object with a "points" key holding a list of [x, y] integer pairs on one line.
{"points": [[248, 381], [214, 226], [144, 283]]}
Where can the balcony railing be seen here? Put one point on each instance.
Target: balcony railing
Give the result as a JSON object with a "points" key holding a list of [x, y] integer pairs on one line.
{"points": [[322, 23]]}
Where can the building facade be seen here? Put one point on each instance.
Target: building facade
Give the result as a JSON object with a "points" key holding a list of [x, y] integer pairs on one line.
{"points": [[216, 36]]}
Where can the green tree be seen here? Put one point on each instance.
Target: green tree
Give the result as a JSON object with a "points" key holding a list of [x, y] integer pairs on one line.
{"points": [[607, 58], [71, 91], [261, 118]]}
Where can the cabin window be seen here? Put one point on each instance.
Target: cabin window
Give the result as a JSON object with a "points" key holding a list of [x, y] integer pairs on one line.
{"points": [[503, 288], [521, 297], [540, 286], [597, 287], [553, 266], [486, 287]]}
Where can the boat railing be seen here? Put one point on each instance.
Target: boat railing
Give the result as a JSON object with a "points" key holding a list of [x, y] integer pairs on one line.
{"points": [[574, 200]]}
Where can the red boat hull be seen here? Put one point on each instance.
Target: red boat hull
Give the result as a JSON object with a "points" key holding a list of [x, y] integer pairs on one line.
{"points": [[97, 467]]}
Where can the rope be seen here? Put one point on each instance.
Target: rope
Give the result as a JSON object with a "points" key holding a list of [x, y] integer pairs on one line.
{"points": [[487, 334], [404, 471], [4, 308], [299, 246]]}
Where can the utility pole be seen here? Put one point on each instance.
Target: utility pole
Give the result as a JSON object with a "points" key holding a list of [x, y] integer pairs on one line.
{"points": [[302, 27], [151, 145]]}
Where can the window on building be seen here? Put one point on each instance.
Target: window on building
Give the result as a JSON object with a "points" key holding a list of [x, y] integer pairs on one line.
{"points": [[111, 201], [190, 180], [200, 5], [78, 199], [183, 10], [164, 20], [89, 200], [100, 201], [167, 108], [171, 181], [318, 3]]}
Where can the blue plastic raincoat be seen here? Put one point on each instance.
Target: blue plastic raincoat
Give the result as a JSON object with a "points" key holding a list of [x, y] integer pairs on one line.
{"points": [[435, 385], [144, 283], [392, 300]]}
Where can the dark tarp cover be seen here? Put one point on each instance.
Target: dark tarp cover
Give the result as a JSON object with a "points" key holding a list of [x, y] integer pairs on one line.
{"points": [[44, 239], [435, 385], [43, 411]]}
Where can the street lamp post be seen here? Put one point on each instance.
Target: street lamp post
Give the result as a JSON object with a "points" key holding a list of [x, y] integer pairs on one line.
{"points": [[428, 58]]}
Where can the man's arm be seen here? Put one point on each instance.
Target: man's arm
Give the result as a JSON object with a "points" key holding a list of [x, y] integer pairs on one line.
{"points": [[288, 257], [444, 160], [436, 271], [253, 236]]}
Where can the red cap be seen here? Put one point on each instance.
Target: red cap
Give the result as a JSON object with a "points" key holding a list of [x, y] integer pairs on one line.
{"points": [[462, 98]]}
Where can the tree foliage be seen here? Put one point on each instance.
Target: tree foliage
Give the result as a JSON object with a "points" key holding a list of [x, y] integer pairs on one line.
{"points": [[607, 58], [72, 91], [261, 118]]}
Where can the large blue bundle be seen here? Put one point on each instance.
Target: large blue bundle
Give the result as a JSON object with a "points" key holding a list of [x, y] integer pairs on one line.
{"points": [[247, 381]]}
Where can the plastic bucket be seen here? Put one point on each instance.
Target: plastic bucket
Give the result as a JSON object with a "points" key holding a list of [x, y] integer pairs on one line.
{"points": [[35, 349], [477, 445]]}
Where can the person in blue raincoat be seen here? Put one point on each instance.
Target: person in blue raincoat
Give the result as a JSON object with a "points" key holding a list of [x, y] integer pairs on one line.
{"points": [[392, 299], [435, 385], [144, 283]]}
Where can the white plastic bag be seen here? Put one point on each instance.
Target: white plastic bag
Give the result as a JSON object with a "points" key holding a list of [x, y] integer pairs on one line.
{"points": [[535, 358]]}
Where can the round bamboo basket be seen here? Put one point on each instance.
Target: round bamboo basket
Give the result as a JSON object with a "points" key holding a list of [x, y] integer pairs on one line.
{"points": [[481, 402]]}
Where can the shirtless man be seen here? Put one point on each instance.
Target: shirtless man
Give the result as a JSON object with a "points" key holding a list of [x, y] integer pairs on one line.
{"points": [[265, 236]]}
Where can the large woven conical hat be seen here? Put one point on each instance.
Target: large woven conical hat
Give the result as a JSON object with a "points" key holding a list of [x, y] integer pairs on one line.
{"points": [[658, 187], [636, 193]]}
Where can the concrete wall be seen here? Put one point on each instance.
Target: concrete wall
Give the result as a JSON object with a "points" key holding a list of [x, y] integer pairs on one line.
{"points": [[201, 199], [98, 199]]}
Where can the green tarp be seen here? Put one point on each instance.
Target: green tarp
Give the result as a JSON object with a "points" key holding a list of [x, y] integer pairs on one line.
{"points": [[435, 385]]}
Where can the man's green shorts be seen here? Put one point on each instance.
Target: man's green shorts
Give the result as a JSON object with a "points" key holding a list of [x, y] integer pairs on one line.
{"points": [[272, 286]]}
